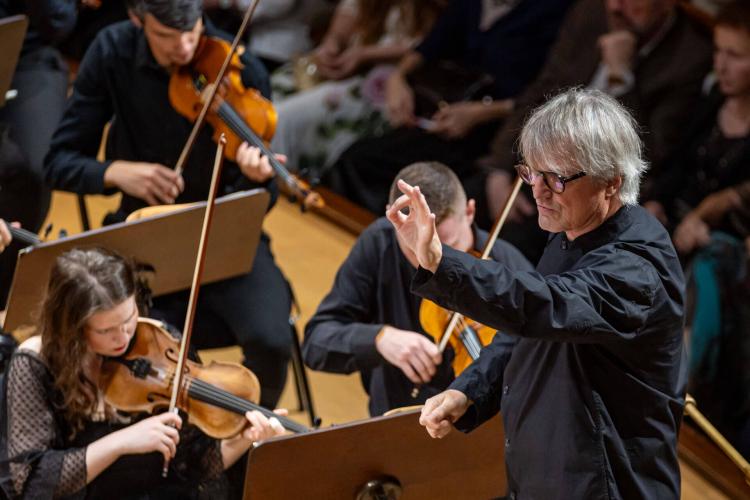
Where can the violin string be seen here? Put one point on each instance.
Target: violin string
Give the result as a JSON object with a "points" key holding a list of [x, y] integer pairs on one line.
{"points": [[236, 123], [468, 340], [213, 395], [211, 392]]}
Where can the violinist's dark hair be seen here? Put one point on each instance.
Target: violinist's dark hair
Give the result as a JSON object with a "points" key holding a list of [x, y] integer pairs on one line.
{"points": [[439, 185], [178, 14], [82, 282]]}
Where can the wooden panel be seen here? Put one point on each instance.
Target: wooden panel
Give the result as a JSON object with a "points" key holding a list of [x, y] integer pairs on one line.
{"points": [[705, 458], [167, 242], [335, 463]]}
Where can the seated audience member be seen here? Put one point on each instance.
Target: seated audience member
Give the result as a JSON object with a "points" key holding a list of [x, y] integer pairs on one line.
{"points": [[507, 42], [648, 54], [315, 125], [694, 191], [703, 197], [370, 321], [278, 31]]}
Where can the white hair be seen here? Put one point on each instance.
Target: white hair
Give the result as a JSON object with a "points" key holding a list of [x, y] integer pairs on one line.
{"points": [[586, 130]]}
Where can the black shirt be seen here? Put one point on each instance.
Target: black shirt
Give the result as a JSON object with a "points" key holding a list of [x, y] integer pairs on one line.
{"points": [[592, 393], [120, 80], [372, 290]]}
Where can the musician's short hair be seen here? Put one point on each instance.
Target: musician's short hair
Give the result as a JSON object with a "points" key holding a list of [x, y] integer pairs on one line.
{"points": [[586, 130], [439, 184], [178, 14]]}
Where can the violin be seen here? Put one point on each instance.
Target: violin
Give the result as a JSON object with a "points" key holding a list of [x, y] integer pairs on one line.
{"points": [[467, 337], [215, 396], [243, 114], [24, 236]]}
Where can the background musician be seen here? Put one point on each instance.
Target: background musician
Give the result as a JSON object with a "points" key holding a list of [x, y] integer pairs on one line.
{"points": [[369, 321], [63, 439], [123, 79]]}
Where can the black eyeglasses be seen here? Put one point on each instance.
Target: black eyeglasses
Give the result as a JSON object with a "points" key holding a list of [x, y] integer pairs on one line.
{"points": [[555, 182]]}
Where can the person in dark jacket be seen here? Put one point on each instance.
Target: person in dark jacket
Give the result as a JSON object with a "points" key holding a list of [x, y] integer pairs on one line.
{"points": [[370, 322], [592, 393]]}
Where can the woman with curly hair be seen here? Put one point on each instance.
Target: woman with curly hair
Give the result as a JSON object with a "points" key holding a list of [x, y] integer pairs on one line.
{"points": [[63, 439]]}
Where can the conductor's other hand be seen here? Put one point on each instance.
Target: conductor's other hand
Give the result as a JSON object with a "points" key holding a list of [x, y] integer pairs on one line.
{"points": [[441, 411], [413, 353], [417, 229], [151, 182]]}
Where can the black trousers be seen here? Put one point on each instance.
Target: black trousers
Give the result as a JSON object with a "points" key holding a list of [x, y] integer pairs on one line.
{"points": [[251, 310], [365, 171]]}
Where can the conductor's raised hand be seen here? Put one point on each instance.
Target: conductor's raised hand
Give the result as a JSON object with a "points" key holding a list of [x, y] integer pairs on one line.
{"points": [[439, 412], [416, 230]]}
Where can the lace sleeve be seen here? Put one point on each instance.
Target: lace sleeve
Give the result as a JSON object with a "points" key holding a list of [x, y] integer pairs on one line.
{"points": [[213, 464], [39, 464]]}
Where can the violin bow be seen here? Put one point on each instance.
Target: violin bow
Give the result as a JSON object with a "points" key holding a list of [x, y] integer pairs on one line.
{"points": [[180, 166], [200, 260], [456, 317]]}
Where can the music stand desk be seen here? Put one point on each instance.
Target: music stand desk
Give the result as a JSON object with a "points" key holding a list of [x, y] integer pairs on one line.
{"points": [[336, 462], [168, 242]]}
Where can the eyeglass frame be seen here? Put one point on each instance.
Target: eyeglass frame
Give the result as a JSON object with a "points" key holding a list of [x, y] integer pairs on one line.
{"points": [[562, 179]]}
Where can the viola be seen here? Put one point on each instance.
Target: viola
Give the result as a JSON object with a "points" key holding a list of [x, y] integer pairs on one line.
{"points": [[242, 114], [24, 236], [465, 336], [214, 396]]}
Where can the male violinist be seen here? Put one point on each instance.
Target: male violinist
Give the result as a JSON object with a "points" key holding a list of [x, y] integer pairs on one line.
{"points": [[123, 79], [370, 321]]}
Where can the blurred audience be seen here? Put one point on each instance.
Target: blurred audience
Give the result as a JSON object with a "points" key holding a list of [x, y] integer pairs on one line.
{"points": [[647, 53], [702, 194], [316, 124], [502, 43]]}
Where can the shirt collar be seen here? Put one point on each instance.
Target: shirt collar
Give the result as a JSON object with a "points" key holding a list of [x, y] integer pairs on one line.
{"points": [[605, 233], [143, 56]]}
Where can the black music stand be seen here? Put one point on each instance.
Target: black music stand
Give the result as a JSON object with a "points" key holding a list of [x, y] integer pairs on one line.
{"points": [[384, 458], [167, 242]]}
